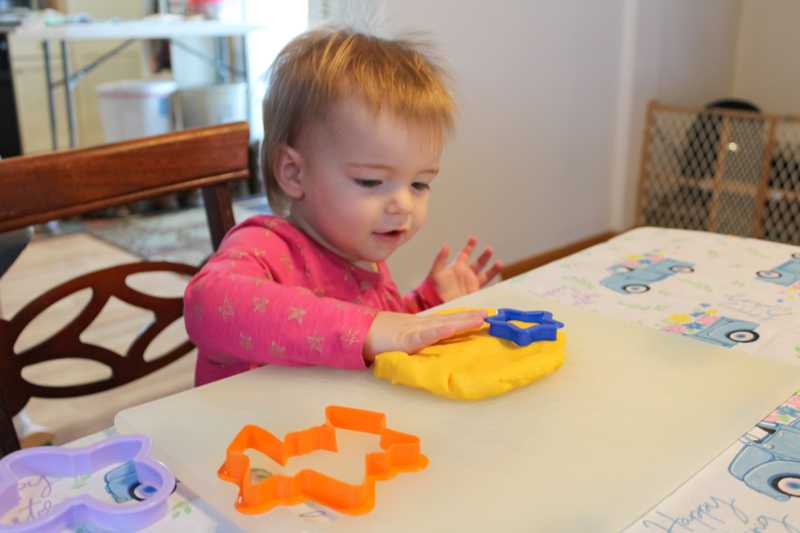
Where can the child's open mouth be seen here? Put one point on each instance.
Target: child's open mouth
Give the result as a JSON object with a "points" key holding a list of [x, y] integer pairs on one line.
{"points": [[390, 236]]}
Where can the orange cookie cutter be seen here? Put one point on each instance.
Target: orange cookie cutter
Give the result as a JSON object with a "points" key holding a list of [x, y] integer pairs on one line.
{"points": [[402, 454]]}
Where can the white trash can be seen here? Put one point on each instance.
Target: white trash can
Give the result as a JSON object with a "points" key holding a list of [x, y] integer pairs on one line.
{"points": [[213, 104], [130, 109]]}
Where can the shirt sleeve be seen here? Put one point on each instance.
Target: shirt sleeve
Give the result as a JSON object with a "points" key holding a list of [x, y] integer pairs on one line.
{"points": [[242, 306], [423, 297]]}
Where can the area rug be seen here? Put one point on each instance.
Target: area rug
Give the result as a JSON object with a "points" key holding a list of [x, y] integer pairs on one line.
{"points": [[182, 237]]}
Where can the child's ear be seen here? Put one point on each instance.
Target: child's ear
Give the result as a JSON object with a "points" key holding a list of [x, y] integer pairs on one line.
{"points": [[287, 169]]}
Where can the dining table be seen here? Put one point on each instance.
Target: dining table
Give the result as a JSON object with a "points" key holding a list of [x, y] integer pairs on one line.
{"points": [[676, 409]]}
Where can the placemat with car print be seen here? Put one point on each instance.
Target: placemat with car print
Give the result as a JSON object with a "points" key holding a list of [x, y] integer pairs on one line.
{"points": [[731, 291]]}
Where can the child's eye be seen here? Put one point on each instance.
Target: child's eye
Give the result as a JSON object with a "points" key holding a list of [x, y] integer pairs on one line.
{"points": [[420, 186], [368, 183]]}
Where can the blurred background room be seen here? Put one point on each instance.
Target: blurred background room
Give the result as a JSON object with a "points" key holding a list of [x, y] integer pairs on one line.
{"points": [[553, 101], [577, 119]]}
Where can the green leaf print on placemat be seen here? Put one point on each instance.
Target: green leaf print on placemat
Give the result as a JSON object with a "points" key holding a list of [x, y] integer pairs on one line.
{"points": [[579, 281], [79, 481], [753, 251], [259, 474], [181, 508], [645, 307], [697, 284]]}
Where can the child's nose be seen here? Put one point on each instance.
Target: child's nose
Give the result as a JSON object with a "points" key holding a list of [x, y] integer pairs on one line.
{"points": [[400, 203]]}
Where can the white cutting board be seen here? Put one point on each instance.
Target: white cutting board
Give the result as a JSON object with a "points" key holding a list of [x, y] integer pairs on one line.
{"points": [[631, 414]]}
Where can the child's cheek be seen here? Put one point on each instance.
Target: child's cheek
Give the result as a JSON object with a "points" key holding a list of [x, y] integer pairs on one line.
{"points": [[420, 213]]}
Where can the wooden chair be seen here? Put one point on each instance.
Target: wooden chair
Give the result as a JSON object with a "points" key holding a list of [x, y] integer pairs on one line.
{"points": [[37, 189]]}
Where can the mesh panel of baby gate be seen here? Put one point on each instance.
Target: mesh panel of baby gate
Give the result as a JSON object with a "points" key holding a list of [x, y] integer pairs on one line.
{"points": [[723, 171]]}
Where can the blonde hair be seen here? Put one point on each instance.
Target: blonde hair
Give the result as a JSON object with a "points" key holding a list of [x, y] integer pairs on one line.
{"points": [[321, 66]]}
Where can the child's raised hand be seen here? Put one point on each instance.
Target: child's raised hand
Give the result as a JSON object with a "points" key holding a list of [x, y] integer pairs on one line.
{"points": [[402, 332], [462, 277]]}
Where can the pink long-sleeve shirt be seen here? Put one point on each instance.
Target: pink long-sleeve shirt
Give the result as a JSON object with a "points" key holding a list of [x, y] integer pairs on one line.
{"points": [[273, 295]]}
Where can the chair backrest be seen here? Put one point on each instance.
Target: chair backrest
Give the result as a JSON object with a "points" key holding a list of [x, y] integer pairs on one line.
{"points": [[37, 189]]}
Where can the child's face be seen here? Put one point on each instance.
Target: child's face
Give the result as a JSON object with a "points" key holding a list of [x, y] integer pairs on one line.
{"points": [[365, 180]]}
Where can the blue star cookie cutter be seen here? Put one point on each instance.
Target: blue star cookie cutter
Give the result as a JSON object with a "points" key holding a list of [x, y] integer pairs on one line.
{"points": [[64, 462], [543, 327]]}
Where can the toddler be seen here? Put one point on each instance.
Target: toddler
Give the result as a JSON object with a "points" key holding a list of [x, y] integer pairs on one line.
{"points": [[354, 128]]}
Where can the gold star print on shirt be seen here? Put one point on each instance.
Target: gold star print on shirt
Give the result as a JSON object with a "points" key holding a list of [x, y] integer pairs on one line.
{"points": [[349, 338], [296, 314], [277, 351], [245, 341], [226, 309], [314, 342], [260, 304]]}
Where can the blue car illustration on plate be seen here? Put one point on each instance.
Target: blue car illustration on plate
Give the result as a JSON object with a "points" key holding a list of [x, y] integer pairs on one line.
{"points": [[785, 274], [706, 325], [123, 484], [771, 464], [635, 277]]}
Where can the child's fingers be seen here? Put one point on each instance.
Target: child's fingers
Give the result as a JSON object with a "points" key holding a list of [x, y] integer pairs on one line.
{"points": [[462, 320], [481, 262], [440, 263], [444, 326], [489, 275], [418, 339], [466, 252], [427, 337], [458, 315]]}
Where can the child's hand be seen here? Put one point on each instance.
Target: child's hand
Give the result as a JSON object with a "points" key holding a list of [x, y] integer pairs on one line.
{"points": [[460, 277], [410, 333]]}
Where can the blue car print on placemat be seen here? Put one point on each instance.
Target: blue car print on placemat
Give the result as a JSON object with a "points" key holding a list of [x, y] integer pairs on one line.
{"points": [[706, 325], [787, 274], [635, 275], [771, 464]]}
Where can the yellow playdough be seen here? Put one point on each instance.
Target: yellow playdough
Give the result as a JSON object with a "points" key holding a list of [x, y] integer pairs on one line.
{"points": [[472, 365]]}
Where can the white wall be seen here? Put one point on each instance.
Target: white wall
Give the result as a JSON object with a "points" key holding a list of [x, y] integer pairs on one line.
{"points": [[552, 99], [529, 166], [767, 61], [285, 19], [680, 52], [698, 42]]}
